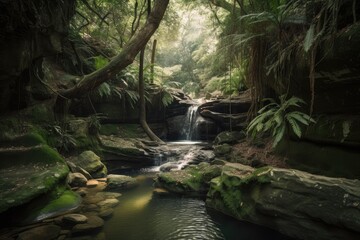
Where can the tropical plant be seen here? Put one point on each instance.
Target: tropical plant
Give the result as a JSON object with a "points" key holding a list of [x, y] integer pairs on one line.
{"points": [[64, 141], [94, 124], [279, 119]]}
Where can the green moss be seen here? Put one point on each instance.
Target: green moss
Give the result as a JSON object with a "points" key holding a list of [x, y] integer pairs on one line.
{"points": [[58, 201], [109, 129], [26, 140], [28, 172]]}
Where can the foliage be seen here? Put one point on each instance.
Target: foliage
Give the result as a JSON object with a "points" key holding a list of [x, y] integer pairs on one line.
{"points": [[94, 124], [64, 141], [278, 118]]}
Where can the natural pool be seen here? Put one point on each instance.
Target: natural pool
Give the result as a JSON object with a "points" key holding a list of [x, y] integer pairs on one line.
{"points": [[143, 215]]}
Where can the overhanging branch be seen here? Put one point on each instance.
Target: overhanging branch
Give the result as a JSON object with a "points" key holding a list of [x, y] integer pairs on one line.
{"points": [[125, 57]]}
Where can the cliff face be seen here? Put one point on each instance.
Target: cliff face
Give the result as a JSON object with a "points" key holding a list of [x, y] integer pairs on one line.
{"points": [[29, 31]]}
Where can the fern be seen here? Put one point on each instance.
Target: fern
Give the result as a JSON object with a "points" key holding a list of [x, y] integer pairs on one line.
{"points": [[277, 118]]}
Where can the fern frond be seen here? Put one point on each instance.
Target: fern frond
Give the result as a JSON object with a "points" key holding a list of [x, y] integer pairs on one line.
{"points": [[295, 127], [279, 134]]}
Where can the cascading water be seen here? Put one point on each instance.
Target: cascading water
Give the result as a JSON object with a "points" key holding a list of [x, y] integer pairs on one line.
{"points": [[189, 129]]}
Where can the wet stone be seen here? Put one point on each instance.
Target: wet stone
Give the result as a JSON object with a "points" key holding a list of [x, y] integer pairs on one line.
{"points": [[93, 223], [47, 232], [108, 203], [92, 183], [74, 219]]}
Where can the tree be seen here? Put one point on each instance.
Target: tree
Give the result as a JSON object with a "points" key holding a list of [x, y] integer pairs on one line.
{"points": [[86, 83]]}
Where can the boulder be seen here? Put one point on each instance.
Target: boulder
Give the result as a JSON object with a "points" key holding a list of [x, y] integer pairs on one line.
{"points": [[167, 167], [28, 172], [120, 182], [222, 150], [77, 169], [175, 126], [108, 203], [296, 203], [76, 180], [129, 150], [229, 137], [94, 223], [91, 163], [74, 219], [192, 181], [205, 129], [47, 232]]}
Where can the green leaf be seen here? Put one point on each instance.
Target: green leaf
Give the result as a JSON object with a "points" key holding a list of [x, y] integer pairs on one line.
{"points": [[279, 135], [309, 38], [295, 127]]}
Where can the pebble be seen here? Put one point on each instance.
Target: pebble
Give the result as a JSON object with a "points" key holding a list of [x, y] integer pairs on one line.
{"points": [[92, 183]]}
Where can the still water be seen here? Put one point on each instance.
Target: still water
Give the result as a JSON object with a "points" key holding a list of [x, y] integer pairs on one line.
{"points": [[142, 215]]}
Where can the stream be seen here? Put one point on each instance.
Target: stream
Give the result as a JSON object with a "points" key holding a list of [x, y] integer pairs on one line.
{"points": [[144, 215]]}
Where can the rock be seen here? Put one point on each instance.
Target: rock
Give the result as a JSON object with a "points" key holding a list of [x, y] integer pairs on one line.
{"points": [[175, 126], [93, 199], [27, 172], [82, 192], [106, 213], [74, 219], [90, 207], [108, 194], [120, 182], [296, 203], [192, 181], [222, 150], [130, 150], [206, 128], [91, 163], [76, 180], [92, 183], [47, 232], [108, 203], [160, 191], [94, 223], [229, 137], [78, 127], [167, 167], [77, 169]]}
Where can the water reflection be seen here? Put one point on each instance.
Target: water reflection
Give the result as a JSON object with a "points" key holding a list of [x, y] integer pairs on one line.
{"points": [[144, 216]]}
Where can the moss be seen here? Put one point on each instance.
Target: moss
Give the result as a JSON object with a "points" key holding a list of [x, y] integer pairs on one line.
{"points": [[57, 201], [26, 140], [131, 131], [236, 193], [28, 172], [109, 129]]}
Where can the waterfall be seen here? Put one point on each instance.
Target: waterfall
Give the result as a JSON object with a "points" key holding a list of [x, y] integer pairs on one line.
{"points": [[189, 129]]}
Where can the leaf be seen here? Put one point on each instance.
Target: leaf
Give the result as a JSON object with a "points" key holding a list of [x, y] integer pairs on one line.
{"points": [[309, 38], [279, 135], [295, 127], [297, 117]]}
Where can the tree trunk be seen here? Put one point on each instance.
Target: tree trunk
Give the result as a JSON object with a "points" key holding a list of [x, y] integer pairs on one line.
{"points": [[153, 60], [143, 122], [84, 84]]}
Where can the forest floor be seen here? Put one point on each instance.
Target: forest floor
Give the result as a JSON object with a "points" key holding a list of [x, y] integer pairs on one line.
{"points": [[263, 153]]}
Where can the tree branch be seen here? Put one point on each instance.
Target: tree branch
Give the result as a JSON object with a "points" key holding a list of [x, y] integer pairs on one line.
{"points": [[223, 4], [123, 59]]}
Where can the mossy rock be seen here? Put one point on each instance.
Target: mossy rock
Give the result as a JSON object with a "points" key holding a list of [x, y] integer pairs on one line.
{"points": [[123, 130], [57, 202], [192, 181], [90, 162], [25, 140], [229, 137], [27, 172], [279, 198], [222, 150]]}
